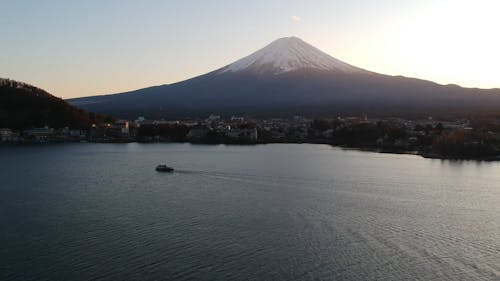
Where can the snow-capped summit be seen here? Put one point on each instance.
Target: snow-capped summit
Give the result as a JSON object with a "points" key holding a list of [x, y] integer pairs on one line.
{"points": [[288, 54]]}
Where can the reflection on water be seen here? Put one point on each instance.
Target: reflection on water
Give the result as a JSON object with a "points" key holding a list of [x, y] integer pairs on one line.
{"points": [[266, 212]]}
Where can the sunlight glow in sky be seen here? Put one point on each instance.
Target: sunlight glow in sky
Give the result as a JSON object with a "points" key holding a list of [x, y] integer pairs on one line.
{"points": [[80, 48]]}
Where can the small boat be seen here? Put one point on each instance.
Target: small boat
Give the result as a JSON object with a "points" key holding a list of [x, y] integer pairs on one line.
{"points": [[164, 168]]}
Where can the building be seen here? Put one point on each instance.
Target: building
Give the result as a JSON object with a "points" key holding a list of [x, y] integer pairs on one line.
{"points": [[39, 134], [123, 126], [237, 119], [118, 130], [213, 118], [5, 135]]}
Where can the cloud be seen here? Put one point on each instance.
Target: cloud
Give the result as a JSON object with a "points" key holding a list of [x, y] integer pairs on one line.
{"points": [[296, 18]]}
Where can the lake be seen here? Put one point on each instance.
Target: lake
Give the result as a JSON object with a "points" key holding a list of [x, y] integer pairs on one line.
{"points": [[264, 212]]}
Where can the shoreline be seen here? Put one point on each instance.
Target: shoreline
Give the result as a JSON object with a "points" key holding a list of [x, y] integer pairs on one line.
{"points": [[423, 154]]}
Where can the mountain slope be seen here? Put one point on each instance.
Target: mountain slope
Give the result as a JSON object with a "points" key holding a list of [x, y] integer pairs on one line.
{"points": [[287, 77], [25, 106]]}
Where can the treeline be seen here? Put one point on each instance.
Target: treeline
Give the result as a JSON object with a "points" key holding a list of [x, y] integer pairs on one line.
{"points": [[480, 141], [359, 134]]}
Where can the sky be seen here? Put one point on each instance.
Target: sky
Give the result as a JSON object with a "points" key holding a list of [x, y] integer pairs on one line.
{"points": [[81, 48]]}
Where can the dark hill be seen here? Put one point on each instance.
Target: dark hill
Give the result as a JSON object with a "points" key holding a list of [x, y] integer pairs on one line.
{"points": [[26, 106]]}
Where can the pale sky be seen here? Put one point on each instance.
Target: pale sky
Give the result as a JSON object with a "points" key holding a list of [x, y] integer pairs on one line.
{"points": [[81, 48]]}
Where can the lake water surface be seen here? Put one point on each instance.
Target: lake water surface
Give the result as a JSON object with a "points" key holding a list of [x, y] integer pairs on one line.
{"points": [[266, 212]]}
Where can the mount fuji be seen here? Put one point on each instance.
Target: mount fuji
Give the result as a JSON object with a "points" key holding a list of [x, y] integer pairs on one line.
{"points": [[287, 77]]}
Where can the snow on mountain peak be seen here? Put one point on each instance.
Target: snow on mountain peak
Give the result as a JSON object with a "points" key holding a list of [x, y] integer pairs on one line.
{"points": [[288, 54]]}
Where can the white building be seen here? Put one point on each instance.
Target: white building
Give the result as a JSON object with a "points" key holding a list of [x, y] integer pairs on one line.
{"points": [[238, 119], [5, 134], [213, 118]]}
